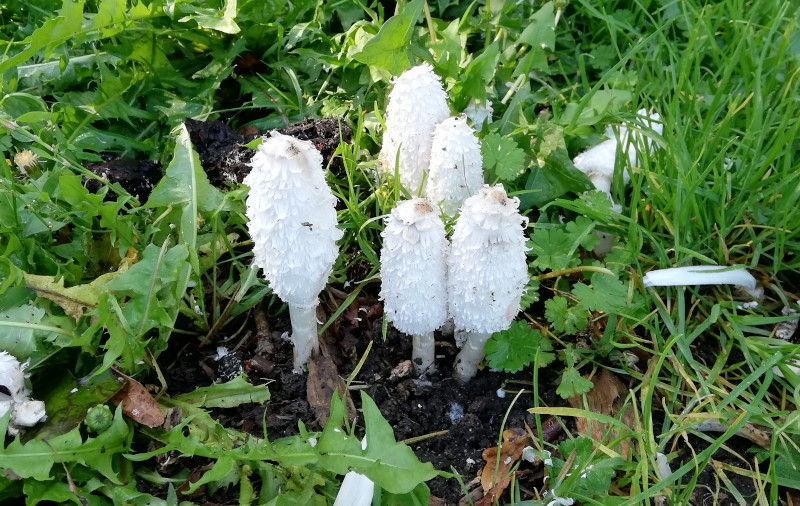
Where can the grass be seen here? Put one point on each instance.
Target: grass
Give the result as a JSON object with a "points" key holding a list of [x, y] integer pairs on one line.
{"points": [[720, 189]]}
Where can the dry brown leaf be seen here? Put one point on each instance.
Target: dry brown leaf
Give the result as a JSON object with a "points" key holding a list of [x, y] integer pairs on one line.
{"points": [[323, 380], [496, 469], [495, 492], [138, 404], [607, 398]]}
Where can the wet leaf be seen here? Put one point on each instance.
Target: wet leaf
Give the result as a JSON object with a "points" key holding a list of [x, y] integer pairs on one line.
{"points": [[323, 381]]}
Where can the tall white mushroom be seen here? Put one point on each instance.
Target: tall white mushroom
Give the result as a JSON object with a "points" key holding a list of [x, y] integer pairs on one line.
{"points": [[413, 276], [456, 168], [417, 103], [292, 221], [15, 397], [487, 271]]}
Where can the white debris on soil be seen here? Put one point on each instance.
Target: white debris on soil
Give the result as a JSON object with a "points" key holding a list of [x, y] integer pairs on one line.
{"points": [[501, 393], [785, 330], [456, 412]]}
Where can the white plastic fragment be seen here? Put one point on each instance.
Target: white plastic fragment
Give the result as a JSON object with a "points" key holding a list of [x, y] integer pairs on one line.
{"points": [[356, 490], [662, 466], [15, 397], [785, 330], [413, 276], [704, 275], [456, 167], [417, 103], [479, 112], [292, 221]]}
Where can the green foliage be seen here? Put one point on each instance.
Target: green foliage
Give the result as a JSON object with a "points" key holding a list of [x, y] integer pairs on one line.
{"points": [[515, 348], [502, 155]]}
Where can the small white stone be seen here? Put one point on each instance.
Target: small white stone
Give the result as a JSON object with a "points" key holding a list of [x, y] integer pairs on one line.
{"points": [[501, 393]]}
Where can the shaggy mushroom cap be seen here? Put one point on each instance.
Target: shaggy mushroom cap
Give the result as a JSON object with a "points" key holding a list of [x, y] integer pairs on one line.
{"points": [[292, 218], [487, 266], [417, 103], [12, 376], [15, 397], [456, 168], [413, 268]]}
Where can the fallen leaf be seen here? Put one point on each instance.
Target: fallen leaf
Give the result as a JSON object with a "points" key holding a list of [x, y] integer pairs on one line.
{"points": [[496, 468], [606, 397], [138, 404], [490, 498], [323, 380], [76, 300]]}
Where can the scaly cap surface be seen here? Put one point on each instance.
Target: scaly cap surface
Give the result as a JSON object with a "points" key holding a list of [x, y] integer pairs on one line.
{"points": [[292, 218], [487, 265], [413, 268]]}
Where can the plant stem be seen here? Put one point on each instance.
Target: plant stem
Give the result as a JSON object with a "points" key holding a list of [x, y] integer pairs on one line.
{"points": [[423, 354], [571, 270], [304, 333], [471, 355]]}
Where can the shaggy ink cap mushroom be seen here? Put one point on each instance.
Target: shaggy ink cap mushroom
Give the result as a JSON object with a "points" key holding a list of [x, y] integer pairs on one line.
{"points": [[413, 276], [292, 218], [456, 168], [292, 222], [487, 265], [417, 103]]}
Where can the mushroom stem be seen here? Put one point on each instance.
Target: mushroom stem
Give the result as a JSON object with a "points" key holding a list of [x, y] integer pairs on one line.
{"points": [[423, 355], [304, 333], [470, 355]]}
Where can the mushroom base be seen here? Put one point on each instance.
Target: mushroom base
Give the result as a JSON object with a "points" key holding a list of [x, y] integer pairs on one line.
{"points": [[471, 355], [423, 354], [304, 334]]}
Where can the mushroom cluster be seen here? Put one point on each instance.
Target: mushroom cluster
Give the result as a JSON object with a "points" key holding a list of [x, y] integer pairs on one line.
{"points": [[486, 274], [434, 154], [15, 396]]}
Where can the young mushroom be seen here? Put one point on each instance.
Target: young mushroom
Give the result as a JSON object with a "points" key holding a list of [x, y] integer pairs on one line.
{"points": [[487, 272], [598, 163], [413, 276], [292, 221], [15, 397], [417, 103], [456, 168]]}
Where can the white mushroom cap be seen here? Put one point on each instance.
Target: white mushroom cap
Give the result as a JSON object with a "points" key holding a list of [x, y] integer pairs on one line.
{"points": [[12, 376], [28, 413], [487, 266], [456, 168], [413, 268], [597, 162], [417, 103], [292, 218]]}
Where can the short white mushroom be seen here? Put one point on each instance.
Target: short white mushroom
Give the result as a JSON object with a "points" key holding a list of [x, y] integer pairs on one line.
{"points": [[487, 271], [417, 103], [456, 168], [15, 397], [413, 276], [292, 221], [598, 162]]}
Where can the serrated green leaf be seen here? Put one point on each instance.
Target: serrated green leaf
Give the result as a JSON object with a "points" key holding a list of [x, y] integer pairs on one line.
{"points": [[388, 49], [565, 318], [606, 294], [572, 383], [502, 155], [226, 395], [515, 348]]}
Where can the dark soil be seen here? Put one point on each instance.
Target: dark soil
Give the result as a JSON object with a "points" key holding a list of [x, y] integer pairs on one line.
{"points": [[137, 177], [472, 414]]}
